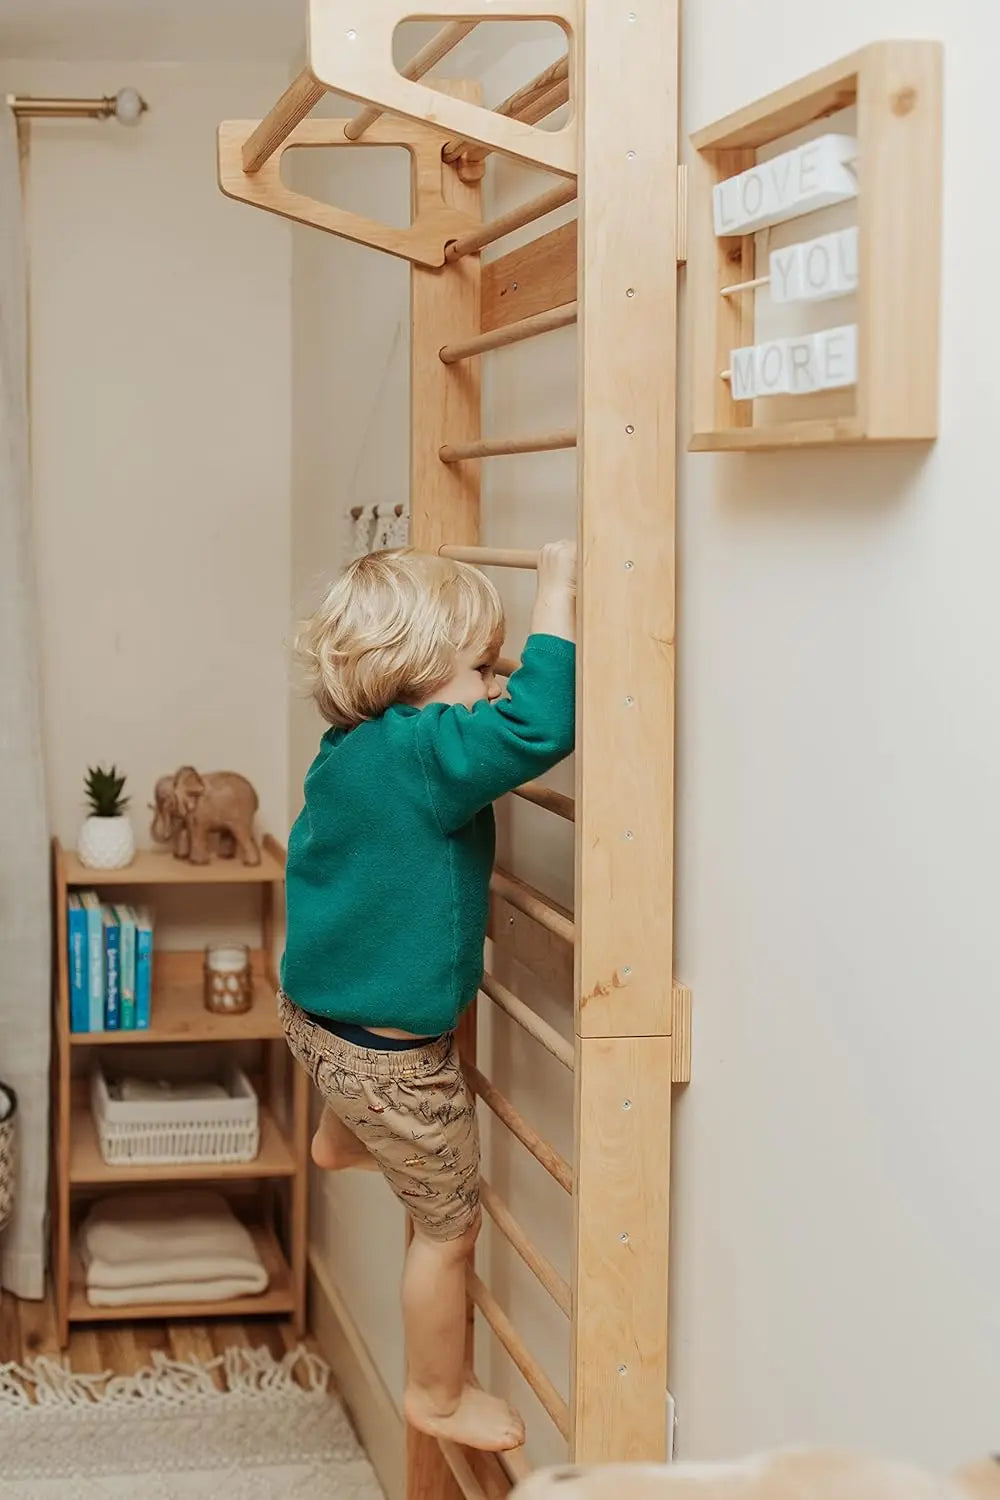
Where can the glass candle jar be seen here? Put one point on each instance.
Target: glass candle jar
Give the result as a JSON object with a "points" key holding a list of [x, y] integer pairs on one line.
{"points": [[228, 979]]}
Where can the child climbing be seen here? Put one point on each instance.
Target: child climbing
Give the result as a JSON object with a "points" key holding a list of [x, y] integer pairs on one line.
{"points": [[388, 893]]}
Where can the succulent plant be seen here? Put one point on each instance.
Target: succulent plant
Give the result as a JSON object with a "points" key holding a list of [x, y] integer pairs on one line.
{"points": [[104, 792]]}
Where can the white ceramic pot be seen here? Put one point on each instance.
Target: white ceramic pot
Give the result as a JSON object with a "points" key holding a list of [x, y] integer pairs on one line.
{"points": [[106, 843]]}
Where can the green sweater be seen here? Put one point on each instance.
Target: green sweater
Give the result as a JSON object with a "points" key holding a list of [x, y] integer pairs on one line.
{"points": [[389, 862]]}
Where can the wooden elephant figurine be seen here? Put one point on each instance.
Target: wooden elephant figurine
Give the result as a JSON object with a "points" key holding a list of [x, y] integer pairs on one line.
{"points": [[169, 826], [199, 815]]}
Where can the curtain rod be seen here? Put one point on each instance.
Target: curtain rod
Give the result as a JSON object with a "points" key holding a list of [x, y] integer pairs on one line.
{"points": [[127, 106]]}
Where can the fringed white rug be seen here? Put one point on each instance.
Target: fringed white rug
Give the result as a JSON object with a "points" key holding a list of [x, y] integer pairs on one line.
{"points": [[168, 1433]]}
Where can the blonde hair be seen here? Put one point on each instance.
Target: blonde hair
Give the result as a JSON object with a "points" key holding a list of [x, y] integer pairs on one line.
{"points": [[392, 629]]}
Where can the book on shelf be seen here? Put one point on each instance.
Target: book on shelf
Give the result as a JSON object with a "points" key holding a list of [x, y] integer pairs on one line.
{"points": [[95, 960], [126, 966], [112, 970], [79, 979], [143, 967]]}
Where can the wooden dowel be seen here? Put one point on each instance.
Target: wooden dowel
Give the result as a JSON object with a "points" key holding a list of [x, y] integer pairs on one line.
{"points": [[420, 63], [541, 910], [492, 557], [506, 666], [519, 1352], [547, 104], [557, 1288], [461, 1470], [520, 106], [546, 796], [545, 442], [744, 286], [516, 218], [301, 95], [499, 338], [526, 1018], [544, 1154]]}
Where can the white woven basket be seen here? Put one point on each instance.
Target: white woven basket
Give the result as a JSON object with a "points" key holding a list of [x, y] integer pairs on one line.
{"points": [[196, 1130]]}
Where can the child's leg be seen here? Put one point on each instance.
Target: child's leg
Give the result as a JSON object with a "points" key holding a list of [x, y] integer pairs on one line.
{"points": [[335, 1147], [439, 1399]]}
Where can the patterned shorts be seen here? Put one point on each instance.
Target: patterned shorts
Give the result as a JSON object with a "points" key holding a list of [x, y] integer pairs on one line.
{"points": [[413, 1111]]}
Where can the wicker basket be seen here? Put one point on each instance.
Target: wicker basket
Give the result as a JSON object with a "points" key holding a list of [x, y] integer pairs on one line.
{"points": [[8, 1116], [197, 1130]]}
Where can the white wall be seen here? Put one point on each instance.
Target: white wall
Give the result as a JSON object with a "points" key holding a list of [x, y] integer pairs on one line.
{"points": [[836, 1242], [160, 390], [836, 1231]]}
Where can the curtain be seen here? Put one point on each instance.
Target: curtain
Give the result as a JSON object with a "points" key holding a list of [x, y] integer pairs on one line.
{"points": [[25, 949]]}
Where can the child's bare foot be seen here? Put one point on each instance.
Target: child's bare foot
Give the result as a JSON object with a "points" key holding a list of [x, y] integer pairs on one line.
{"points": [[478, 1421], [335, 1149]]}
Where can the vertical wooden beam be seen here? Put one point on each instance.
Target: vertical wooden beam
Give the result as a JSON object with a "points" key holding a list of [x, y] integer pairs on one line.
{"points": [[899, 282], [444, 507], [627, 93]]}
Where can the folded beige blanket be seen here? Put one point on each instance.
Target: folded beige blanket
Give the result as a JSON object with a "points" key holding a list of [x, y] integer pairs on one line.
{"points": [[182, 1246], [173, 1291]]}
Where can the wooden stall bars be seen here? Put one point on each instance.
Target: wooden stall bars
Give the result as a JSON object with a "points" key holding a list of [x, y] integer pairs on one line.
{"points": [[606, 273]]}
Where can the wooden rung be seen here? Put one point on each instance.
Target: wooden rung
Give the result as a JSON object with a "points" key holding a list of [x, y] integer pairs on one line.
{"points": [[544, 1154], [492, 557], [516, 218], [420, 63], [522, 105], [499, 338], [519, 1352], [541, 910], [461, 1470], [301, 95], [541, 795], [526, 1018], [505, 666], [557, 1288], [545, 442]]}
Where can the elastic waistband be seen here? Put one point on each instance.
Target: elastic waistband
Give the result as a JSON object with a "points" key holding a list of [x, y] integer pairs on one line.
{"points": [[360, 1036], [425, 1057]]}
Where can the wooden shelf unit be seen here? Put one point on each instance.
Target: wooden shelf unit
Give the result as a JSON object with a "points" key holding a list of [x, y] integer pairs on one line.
{"points": [[179, 1017]]}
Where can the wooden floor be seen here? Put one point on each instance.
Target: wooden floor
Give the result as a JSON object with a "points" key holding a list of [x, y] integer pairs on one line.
{"points": [[28, 1329]]}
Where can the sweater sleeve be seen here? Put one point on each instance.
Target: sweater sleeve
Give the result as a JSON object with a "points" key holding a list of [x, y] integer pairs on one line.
{"points": [[472, 756]]}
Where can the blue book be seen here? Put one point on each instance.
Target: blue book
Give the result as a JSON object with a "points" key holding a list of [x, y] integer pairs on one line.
{"points": [[143, 968], [95, 960], [79, 992], [112, 970], [126, 926]]}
